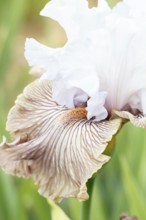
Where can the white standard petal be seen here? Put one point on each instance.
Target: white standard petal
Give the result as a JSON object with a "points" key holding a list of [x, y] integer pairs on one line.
{"points": [[77, 67], [121, 64], [138, 6], [43, 57], [75, 16], [107, 55], [103, 6], [72, 75]]}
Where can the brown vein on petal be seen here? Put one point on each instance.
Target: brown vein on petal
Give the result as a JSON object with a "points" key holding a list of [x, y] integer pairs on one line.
{"points": [[57, 147]]}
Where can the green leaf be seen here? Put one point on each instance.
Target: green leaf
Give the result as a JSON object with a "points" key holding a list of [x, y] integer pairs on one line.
{"points": [[133, 192], [14, 16], [57, 212], [113, 2]]}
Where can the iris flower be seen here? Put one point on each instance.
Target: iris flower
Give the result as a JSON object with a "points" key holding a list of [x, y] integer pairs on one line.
{"points": [[63, 122]]}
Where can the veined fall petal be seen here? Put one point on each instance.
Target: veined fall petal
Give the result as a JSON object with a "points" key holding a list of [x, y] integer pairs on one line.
{"points": [[137, 120], [55, 146]]}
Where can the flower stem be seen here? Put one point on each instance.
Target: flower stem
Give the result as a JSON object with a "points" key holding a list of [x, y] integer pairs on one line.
{"points": [[86, 206]]}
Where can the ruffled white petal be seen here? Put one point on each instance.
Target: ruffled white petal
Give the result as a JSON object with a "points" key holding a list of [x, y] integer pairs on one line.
{"points": [[105, 52], [103, 6], [123, 63], [42, 56], [138, 6], [75, 16], [72, 76], [56, 147]]}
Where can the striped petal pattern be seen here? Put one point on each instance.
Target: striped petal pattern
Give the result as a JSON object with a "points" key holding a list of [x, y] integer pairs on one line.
{"points": [[56, 147], [138, 120]]}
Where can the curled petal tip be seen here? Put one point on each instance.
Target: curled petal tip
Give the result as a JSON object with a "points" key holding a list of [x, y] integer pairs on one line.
{"points": [[138, 120], [3, 141]]}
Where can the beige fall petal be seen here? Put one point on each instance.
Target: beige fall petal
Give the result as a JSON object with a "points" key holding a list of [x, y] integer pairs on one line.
{"points": [[57, 147], [138, 120]]}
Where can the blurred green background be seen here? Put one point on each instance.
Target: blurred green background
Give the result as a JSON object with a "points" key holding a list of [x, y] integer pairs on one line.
{"points": [[120, 185]]}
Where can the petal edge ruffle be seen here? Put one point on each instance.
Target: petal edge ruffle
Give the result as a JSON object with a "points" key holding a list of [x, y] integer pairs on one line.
{"points": [[56, 147]]}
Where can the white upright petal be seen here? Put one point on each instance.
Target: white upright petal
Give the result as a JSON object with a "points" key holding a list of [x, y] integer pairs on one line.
{"points": [[42, 56], [138, 6], [122, 64], [103, 6], [74, 16], [105, 52]]}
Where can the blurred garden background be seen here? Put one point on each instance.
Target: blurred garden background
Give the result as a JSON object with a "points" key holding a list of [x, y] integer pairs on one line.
{"points": [[120, 186]]}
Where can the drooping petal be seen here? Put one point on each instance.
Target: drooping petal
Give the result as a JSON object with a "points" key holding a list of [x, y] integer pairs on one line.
{"points": [[57, 147], [138, 120]]}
